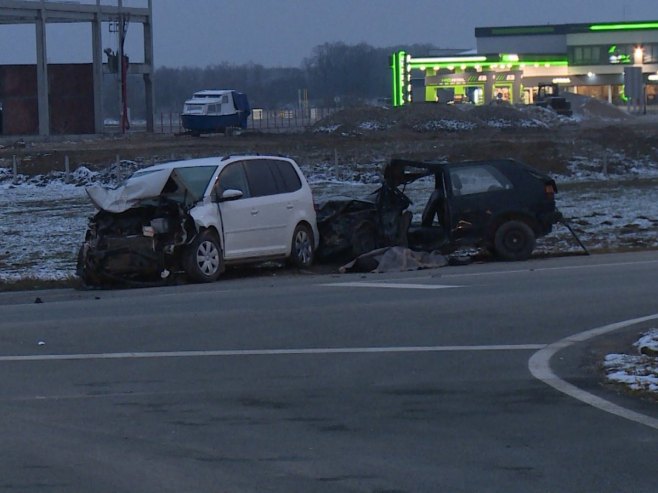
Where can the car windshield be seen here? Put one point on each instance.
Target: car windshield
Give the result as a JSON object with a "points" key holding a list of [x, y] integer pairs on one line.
{"points": [[195, 179]]}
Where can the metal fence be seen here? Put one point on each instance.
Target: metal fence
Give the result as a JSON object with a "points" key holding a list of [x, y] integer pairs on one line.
{"points": [[260, 120]]}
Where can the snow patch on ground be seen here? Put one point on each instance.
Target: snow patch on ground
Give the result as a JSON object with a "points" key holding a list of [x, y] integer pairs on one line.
{"points": [[614, 167], [504, 123], [373, 126], [637, 372], [326, 129], [648, 343], [449, 125]]}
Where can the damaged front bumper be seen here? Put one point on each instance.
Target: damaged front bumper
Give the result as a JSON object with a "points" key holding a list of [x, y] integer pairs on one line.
{"points": [[138, 245]]}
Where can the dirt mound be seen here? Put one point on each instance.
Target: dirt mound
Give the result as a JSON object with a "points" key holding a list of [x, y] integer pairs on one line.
{"points": [[431, 117], [585, 107], [418, 117], [505, 116], [357, 120], [544, 115]]}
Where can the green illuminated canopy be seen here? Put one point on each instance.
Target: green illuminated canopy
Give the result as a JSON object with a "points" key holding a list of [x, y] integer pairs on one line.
{"points": [[489, 61], [449, 59], [625, 26], [402, 63]]}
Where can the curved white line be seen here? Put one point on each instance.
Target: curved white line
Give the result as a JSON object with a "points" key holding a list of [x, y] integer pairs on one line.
{"points": [[539, 365]]}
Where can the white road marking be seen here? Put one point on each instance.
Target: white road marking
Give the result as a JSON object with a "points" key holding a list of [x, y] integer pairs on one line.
{"points": [[549, 269], [389, 285], [523, 271], [539, 365], [268, 352]]}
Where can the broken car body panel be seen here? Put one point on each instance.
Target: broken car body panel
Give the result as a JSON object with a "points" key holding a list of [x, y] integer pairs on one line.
{"points": [[129, 194], [340, 221], [178, 184]]}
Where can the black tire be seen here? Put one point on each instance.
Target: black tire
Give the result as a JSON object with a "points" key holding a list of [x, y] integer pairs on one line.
{"points": [[364, 238], [82, 271], [514, 240], [80, 262], [302, 252], [203, 259]]}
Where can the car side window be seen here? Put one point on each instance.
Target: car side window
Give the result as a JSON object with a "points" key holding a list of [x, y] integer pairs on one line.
{"points": [[468, 180], [233, 178], [287, 178], [260, 177]]}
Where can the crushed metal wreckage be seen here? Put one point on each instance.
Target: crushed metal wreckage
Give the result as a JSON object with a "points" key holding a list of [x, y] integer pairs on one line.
{"points": [[134, 236], [501, 206]]}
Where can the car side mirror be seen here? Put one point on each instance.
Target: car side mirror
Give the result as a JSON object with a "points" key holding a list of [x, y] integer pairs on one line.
{"points": [[230, 194]]}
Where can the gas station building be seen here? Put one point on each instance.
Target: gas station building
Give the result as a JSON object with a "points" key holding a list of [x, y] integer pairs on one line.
{"points": [[510, 63]]}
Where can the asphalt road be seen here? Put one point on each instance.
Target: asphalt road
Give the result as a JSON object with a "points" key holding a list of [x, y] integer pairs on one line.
{"points": [[413, 382]]}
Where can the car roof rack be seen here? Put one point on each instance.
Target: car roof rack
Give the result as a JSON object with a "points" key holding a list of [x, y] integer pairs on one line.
{"points": [[239, 154]]}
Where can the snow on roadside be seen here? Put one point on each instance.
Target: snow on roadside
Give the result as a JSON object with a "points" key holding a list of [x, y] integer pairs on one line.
{"points": [[618, 166], [648, 343], [637, 372], [443, 124]]}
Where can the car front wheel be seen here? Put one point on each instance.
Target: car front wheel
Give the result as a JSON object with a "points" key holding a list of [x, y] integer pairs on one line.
{"points": [[302, 252], [514, 240], [202, 259]]}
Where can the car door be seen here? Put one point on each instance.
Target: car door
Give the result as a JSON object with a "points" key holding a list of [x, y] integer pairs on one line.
{"points": [[298, 206], [240, 221], [476, 193], [271, 208]]}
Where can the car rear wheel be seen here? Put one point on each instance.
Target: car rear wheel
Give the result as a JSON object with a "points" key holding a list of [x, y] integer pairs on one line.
{"points": [[514, 240], [302, 251], [203, 260]]}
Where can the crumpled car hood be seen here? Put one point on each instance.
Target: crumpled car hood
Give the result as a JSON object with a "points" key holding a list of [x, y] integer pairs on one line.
{"points": [[143, 186]]}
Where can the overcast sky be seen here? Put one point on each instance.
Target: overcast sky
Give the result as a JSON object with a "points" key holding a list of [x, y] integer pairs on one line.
{"points": [[284, 32]]}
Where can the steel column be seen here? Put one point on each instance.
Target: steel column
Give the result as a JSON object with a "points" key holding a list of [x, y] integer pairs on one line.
{"points": [[42, 72]]}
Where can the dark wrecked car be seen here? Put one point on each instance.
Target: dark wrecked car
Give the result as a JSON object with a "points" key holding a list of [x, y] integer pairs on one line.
{"points": [[500, 205], [197, 216]]}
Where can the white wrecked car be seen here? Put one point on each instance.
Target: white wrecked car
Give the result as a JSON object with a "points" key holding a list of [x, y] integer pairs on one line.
{"points": [[197, 216]]}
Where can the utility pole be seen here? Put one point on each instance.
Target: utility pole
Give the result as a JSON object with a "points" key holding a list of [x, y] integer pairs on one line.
{"points": [[122, 70], [97, 53], [42, 71], [148, 77]]}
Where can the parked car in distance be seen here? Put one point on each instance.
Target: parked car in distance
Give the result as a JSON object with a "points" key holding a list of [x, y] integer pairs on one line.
{"points": [[198, 216], [501, 205]]}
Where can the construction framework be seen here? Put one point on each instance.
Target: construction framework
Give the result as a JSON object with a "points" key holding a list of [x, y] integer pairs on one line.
{"points": [[42, 12]]}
